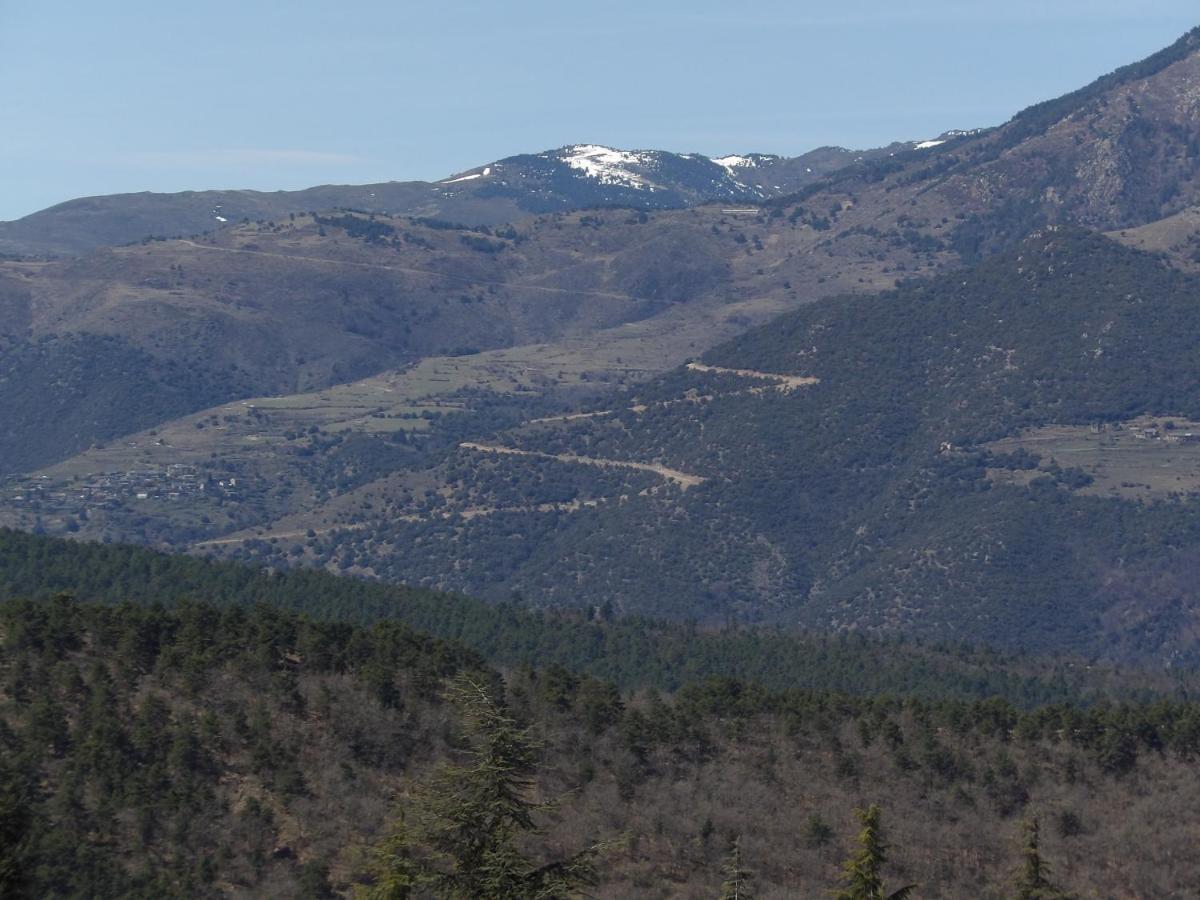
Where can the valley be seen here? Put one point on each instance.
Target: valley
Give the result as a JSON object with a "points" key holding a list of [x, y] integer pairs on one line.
{"points": [[697, 409], [601, 522]]}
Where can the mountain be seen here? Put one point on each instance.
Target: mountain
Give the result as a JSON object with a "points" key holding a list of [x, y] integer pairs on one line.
{"points": [[574, 177], [375, 300], [1118, 153], [937, 460], [320, 430], [312, 301]]}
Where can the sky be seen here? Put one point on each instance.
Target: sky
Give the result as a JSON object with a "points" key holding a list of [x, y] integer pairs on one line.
{"points": [[128, 95]]}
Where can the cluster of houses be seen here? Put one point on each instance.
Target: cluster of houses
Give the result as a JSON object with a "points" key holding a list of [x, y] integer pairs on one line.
{"points": [[173, 482], [1163, 433]]}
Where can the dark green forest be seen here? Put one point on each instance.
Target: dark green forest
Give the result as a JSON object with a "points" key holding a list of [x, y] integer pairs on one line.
{"points": [[632, 652], [224, 750]]}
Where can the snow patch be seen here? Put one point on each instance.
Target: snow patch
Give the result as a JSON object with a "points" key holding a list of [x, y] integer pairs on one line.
{"points": [[925, 145], [220, 218], [733, 161], [464, 178], [607, 165]]}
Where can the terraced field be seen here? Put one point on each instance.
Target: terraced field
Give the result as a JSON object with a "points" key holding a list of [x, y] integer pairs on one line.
{"points": [[1143, 458]]}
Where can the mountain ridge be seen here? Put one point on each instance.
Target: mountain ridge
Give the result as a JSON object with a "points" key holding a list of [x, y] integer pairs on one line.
{"points": [[386, 351], [513, 188]]}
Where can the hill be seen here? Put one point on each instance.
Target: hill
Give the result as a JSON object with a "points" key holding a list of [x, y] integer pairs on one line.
{"points": [[296, 306], [846, 470], [633, 653], [575, 177], [208, 751]]}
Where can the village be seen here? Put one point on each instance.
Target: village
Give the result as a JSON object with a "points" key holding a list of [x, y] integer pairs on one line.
{"points": [[173, 482]]}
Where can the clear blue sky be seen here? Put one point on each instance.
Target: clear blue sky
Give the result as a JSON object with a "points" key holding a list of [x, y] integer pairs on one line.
{"points": [[125, 95]]}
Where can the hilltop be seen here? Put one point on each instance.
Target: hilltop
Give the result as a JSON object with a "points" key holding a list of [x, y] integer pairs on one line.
{"points": [[581, 176]]}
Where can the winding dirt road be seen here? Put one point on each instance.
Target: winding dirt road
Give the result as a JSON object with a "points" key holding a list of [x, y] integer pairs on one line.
{"points": [[785, 382], [685, 480]]}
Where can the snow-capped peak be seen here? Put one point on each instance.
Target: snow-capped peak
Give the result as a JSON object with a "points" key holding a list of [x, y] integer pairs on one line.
{"points": [[735, 161], [607, 164]]}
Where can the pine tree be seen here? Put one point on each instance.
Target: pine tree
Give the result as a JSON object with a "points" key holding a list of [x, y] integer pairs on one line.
{"points": [[15, 822], [862, 871], [738, 883], [1034, 881], [396, 872], [466, 820]]}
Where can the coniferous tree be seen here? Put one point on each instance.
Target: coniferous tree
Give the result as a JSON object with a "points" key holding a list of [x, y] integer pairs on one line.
{"points": [[739, 881], [467, 819], [862, 872], [394, 867], [15, 822], [1034, 882]]}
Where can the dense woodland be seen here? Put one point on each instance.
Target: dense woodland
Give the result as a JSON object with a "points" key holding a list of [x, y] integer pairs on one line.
{"points": [[209, 750], [632, 652]]}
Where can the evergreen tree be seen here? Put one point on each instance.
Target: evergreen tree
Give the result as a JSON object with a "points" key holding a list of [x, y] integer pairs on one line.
{"points": [[467, 820], [862, 872], [739, 881], [15, 823], [1034, 881], [394, 868]]}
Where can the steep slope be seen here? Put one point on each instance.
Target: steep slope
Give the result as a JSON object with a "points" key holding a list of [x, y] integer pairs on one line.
{"points": [[866, 494], [1120, 152], [309, 302]]}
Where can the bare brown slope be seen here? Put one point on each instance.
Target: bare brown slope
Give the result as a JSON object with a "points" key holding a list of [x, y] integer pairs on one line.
{"points": [[1119, 153], [301, 305]]}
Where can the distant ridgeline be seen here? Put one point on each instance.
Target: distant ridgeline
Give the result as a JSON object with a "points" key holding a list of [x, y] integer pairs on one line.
{"points": [[634, 653]]}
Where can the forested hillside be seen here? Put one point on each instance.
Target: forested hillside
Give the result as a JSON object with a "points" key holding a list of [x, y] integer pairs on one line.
{"points": [[867, 497], [631, 652], [224, 751]]}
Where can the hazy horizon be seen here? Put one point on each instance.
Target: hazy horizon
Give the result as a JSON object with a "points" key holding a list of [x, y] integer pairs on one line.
{"points": [[140, 97]]}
